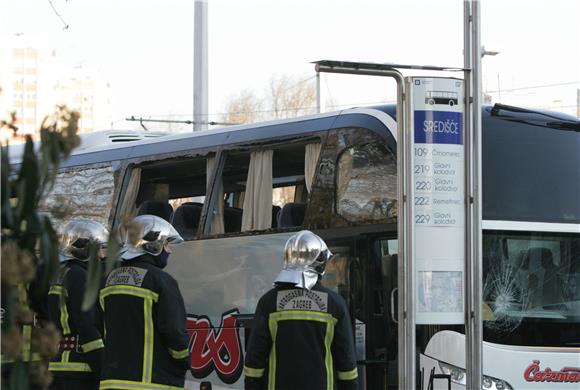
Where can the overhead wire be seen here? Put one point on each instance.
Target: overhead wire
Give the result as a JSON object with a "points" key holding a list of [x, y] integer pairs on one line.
{"points": [[66, 26]]}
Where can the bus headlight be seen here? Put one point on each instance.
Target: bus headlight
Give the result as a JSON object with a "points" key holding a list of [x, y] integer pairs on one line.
{"points": [[458, 376]]}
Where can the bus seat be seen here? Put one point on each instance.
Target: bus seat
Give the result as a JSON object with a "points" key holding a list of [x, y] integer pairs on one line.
{"points": [[232, 219], [186, 218], [275, 212], [553, 285], [291, 215], [544, 287], [156, 207]]}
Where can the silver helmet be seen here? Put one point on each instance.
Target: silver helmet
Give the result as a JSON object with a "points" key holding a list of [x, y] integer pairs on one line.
{"points": [[78, 236], [305, 257], [147, 234]]}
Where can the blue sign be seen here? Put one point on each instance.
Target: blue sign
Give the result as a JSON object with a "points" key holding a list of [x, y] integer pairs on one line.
{"points": [[438, 127]]}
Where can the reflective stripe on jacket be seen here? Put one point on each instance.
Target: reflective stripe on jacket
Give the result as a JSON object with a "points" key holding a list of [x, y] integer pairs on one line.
{"points": [[146, 340], [301, 339], [84, 357]]}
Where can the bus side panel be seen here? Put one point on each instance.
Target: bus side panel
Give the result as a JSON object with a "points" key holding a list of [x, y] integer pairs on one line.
{"points": [[219, 279]]}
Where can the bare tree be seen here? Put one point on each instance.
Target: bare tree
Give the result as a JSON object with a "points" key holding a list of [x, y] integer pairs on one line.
{"points": [[246, 107], [285, 97], [290, 97]]}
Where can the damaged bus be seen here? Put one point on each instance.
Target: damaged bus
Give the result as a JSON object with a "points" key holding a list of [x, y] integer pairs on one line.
{"points": [[237, 194]]}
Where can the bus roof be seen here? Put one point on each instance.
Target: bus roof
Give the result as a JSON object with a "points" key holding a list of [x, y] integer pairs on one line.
{"points": [[142, 145], [114, 145]]}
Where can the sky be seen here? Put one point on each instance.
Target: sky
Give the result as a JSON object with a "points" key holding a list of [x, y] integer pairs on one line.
{"points": [[144, 48]]}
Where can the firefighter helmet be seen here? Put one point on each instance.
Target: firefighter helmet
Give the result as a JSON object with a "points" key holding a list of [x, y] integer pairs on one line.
{"points": [[147, 234], [78, 236], [305, 257]]}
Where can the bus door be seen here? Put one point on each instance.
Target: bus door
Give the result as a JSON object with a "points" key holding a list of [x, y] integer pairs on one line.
{"points": [[364, 272], [379, 296], [384, 259]]}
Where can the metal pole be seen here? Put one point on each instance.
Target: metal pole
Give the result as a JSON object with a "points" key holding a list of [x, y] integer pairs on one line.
{"points": [[318, 105], [406, 271], [477, 300], [467, 64], [473, 267], [406, 328], [200, 69], [578, 103]]}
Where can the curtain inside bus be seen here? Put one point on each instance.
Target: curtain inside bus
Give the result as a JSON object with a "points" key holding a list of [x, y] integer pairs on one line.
{"points": [[128, 209], [258, 198], [310, 161], [217, 224]]}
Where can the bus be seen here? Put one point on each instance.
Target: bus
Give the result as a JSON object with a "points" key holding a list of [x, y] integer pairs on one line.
{"points": [[441, 97], [236, 194]]}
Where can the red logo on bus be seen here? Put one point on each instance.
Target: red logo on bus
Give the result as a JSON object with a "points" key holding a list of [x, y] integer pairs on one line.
{"points": [[215, 350], [567, 374]]}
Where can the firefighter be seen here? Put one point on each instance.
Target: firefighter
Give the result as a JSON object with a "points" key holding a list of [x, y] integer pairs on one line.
{"points": [[144, 314], [79, 360], [302, 336]]}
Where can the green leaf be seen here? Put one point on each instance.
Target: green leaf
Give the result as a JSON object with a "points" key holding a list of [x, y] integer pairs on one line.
{"points": [[6, 189], [112, 253], [48, 253], [94, 277], [28, 182], [19, 376]]}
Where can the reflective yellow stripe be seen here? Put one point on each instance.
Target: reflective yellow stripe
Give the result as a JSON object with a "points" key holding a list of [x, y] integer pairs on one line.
{"points": [[253, 372], [302, 315], [77, 367], [127, 290], [148, 341], [65, 365], [328, 360], [26, 340], [178, 354], [133, 385], [93, 345], [57, 289], [347, 375], [64, 320], [273, 325]]}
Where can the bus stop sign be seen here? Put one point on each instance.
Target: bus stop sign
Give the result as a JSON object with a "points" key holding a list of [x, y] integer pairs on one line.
{"points": [[437, 198]]}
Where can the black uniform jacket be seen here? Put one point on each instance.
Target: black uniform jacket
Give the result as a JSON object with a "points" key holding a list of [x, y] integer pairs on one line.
{"points": [[146, 339], [81, 352], [301, 339]]}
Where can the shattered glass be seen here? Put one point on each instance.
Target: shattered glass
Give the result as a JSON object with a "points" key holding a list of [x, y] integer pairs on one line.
{"points": [[366, 187], [81, 193], [506, 297], [531, 288]]}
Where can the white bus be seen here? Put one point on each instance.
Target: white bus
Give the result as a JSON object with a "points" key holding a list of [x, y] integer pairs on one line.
{"points": [[236, 194]]}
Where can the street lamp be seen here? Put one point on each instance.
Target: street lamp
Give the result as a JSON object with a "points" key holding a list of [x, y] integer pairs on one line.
{"points": [[487, 98], [485, 52]]}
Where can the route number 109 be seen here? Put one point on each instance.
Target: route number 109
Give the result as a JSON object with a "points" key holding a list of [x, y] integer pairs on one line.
{"points": [[421, 152]]}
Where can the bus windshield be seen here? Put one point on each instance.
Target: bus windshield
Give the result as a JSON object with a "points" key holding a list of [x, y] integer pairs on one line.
{"points": [[531, 288]]}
